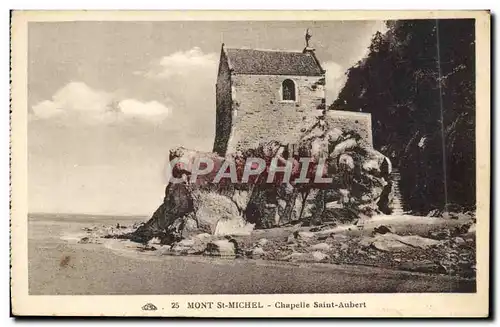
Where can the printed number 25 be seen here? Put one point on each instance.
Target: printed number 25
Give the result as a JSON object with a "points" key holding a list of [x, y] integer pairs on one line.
{"points": [[175, 305]]}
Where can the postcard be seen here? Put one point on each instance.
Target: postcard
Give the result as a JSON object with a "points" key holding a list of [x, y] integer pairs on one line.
{"points": [[250, 163]]}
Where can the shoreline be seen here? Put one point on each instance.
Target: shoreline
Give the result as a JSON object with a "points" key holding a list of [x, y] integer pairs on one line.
{"points": [[85, 275], [53, 246]]}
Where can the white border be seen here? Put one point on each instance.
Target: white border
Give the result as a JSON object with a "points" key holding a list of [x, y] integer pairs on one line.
{"points": [[41, 304]]}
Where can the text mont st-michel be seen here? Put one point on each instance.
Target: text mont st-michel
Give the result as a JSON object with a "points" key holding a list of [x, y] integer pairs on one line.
{"points": [[276, 304]]}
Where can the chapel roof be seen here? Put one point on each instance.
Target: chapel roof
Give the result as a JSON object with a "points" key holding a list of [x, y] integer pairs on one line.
{"points": [[273, 62]]}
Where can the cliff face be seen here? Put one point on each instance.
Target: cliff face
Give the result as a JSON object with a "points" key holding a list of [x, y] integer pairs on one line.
{"points": [[359, 187]]}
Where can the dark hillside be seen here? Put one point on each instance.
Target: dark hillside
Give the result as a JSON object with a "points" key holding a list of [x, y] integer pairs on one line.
{"points": [[418, 82]]}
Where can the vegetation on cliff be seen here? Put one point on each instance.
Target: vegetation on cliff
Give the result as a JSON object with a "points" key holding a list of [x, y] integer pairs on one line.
{"points": [[418, 83]]}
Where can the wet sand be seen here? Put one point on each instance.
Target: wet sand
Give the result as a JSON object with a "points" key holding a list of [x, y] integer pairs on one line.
{"points": [[59, 265]]}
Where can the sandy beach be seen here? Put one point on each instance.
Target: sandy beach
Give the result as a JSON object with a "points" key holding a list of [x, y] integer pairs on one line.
{"points": [[59, 265]]}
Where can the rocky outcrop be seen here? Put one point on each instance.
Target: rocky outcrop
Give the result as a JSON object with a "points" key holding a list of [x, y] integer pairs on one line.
{"points": [[361, 184], [359, 187], [186, 212]]}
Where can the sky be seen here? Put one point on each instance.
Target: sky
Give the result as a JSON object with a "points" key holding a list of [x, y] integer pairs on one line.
{"points": [[107, 100]]}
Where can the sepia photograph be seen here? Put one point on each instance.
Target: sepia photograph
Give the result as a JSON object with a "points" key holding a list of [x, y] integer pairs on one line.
{"points": [[233, 165]]}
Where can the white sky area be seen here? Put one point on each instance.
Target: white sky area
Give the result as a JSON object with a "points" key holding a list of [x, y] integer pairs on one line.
{"points": [[107, 100]]}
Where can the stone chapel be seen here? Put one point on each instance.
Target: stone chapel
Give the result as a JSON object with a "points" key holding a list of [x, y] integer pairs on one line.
{"points": [[264, 95]]}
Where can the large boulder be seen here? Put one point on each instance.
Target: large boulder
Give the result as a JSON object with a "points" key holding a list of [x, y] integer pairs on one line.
{"points": [[187, 212], [218, 215], [212, 208]]}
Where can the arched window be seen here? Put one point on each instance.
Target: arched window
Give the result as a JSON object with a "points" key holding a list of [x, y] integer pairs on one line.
{"points": [[288, 90]]}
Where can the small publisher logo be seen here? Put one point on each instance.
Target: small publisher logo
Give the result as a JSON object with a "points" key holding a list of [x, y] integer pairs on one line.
{"points": [[149, 307]]}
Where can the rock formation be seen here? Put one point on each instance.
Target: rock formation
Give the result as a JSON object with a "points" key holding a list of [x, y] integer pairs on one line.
{"points": [[360, 187]]}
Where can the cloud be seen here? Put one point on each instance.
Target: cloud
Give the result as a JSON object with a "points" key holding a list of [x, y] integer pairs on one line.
{"points": [[46, 109], [335, 80], [187, 79], [182, 63], [134, 108], [73, 97], [78, 99]]}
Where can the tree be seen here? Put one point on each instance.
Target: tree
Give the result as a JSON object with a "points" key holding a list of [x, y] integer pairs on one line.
{"points": [[418, 83]]}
